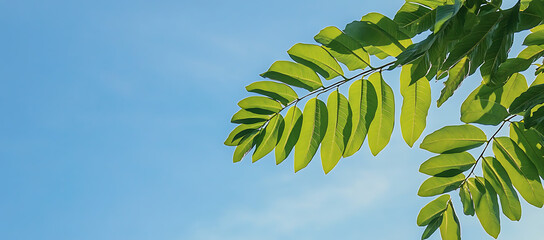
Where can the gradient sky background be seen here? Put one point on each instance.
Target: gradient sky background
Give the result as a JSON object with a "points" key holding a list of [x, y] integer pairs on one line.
{"points": [[114, 115]]}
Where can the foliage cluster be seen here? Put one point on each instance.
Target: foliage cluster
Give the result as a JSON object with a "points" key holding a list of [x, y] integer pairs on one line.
{"points": [[463, 37]]}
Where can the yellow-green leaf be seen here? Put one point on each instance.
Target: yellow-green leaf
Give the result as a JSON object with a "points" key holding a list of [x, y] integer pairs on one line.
{"points": [[381, 127], [338, 130], [269, 137], [495, 174], [261, 105], [244, 147], [294, 74], [344, 48], [363, 102], [486, 205], [316, 58], [438, 185], [447, 164], [433, 210], [274, 90], [415, 106], [293, 124], [247, 117], [452, 139], [314, 126], [450, 228], [530, 142], [240, 132], [466, 200]]}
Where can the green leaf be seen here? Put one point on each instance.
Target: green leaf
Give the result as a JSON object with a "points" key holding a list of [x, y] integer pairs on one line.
{"points": [[515, 86], [450, 228], [415, 106], [414, 18], [314, 126], [530, 142], [269, 138], [519, 64], [317, 58], [521, 170], [431, 228], [344, 48], [294, 74], [338, 130], [473, 40], [527, 100], [274, 90], [247, 117], [496, 175], [261, 105], [486, 205], [438, 185], [535, 38], [363, 102], [445, 13], [433, 210], [244, 147], [447, 164], [457, 74], [466, 200], [240, 132], [538, 80], [380, 32], [452, 139], [291, 133], [381, 127]]}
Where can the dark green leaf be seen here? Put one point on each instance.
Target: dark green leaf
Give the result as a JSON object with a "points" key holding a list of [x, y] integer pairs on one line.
{"points": [[244, 147], [240, 132], [432, 227], [457, 74], [527, 100], [530, 142], [414, 18]]}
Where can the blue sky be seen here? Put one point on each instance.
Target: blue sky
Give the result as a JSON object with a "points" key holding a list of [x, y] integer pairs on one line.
{"points": [[115, 113]]}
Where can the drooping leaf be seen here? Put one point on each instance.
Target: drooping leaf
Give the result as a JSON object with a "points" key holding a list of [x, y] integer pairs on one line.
{"points": [[338, 130], [317, 58], [415, 106], [529, 141], [473, 40], [452, 139], [519, 64], [314, 126], [495, 174], [445, 13], [486, 205], [344, 48], [247, 117], [294, 74], [240, 132], [291, 133], [466, 200], [450, 229], [244, 147], [432, 227], [381, 128], [271, 134], [457, 74], [447, 164], [433, 210], [438, 185], [363, 102], [527, 100], [261, 105], [274, 90], [520, 169]]}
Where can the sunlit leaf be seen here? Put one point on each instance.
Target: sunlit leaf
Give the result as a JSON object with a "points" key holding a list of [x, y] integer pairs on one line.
{"points": [[452, 139], [495, 174], [294, 74], [457, 74], [247, 117], [438, 185], [274, 90], [262, 105], [314, 126], [466, 200], [415, 106], [381, 127], [363, 102], [240, 132], [338, 130], [450, 229], [486, 205], [447, 164], [244, 147], [269, 138], [527, 100], [529, 141], [520, 169], [317, 58], [433, 210], [344, 48]]}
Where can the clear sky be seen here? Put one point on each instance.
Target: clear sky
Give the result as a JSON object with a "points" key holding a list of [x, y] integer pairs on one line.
{"points": [[114, 115]]}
